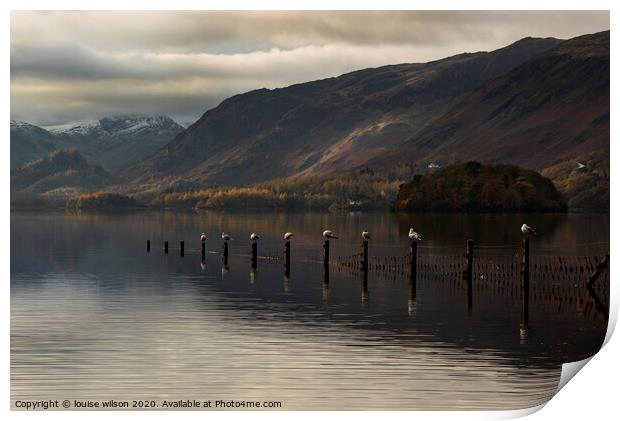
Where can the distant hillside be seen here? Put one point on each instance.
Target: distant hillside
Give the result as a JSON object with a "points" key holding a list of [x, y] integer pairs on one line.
{"points": [[29, 142], [552, 110], [114, 142], [541, 104], [473, 187], [324, 126], [63, 174], [111, 142], [585, 182]]}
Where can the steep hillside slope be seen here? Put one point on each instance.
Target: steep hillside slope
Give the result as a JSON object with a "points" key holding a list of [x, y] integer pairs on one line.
{"points": [[29, 142], [114, 142], [63, 173], [553, 107], [552, 111], [323, 126]]}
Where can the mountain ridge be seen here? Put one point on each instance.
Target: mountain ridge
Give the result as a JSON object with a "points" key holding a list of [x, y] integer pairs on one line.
{"points": [[112, 141], [322, 126]]}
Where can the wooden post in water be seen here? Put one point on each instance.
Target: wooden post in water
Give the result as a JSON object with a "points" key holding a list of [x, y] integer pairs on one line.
{"points": [[182, 245], [225, 253], [254, 254], [365, 258], [469, 256], [165, 247], [203, 249], [287, 258], [365, 295], [148, 246], [525, 312], [326, 255], [411, 303], [469, 260], [413, 260], [525, 265]]}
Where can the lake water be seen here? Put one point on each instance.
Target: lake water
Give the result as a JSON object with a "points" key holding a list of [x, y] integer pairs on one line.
{"points": [[96, 317]]}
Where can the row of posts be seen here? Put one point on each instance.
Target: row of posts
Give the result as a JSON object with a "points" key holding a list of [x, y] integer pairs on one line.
{"points": [[467, 274], [413, 253], [253, 256]]}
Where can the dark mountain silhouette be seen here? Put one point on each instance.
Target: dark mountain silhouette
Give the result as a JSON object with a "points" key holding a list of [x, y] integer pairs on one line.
{"points": [[63, 173], [542, 104], [112, 142], [324, 126], [553, 108], [550, 114], [29, 142]]}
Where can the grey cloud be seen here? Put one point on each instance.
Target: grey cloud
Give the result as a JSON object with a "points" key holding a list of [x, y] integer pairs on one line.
{"points": [[72, 65], [210, 31]]}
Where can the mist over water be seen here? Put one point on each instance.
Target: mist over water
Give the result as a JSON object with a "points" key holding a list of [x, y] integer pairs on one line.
{"points": [[94, 316]]}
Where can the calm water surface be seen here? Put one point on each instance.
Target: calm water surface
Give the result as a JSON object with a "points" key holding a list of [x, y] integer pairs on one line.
{"points": [[94, 316]]}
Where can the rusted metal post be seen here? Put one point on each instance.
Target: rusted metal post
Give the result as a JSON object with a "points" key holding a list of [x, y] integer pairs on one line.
{"points": [[182, 246], [287, 258], [165, 247]]}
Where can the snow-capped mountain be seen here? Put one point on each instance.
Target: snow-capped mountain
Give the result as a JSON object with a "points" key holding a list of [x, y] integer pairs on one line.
{"points": [[119, 127], [114, 142]]}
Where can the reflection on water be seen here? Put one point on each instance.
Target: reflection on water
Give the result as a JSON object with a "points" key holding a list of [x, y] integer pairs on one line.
{"points": [[94, 316]]}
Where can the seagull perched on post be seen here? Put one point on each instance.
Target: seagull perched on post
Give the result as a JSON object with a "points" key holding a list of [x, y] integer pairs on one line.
{"points": [[288, 235], [365, 235], [254, 236], [527, 230], [328, 234], [203, 237], [226, 237], [414, 235]]}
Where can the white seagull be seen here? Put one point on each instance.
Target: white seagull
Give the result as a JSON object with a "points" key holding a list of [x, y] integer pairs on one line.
{"points": [[414, 235], [365, 235], [328, 234], [226, 237], [580, 166], [254, 236], [527, 230], [203, 237], [288, 235]]}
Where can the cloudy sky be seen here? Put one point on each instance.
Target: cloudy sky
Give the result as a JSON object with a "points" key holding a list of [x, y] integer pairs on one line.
{"points": [[71, 66]]}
